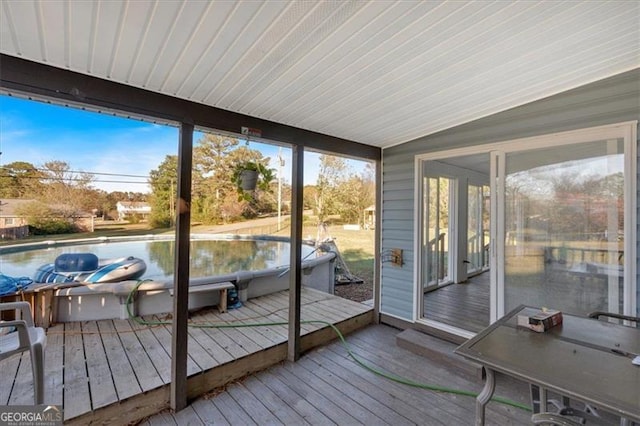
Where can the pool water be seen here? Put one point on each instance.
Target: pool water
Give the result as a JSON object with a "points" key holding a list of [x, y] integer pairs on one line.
{"points": [[209, 257]]}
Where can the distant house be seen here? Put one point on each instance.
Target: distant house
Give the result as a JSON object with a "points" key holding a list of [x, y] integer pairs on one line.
{"points": [[9, 218], [15, 225], [129, 208]]}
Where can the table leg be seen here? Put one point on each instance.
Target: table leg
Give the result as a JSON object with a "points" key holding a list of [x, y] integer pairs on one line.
{"points": [[485, 396]]}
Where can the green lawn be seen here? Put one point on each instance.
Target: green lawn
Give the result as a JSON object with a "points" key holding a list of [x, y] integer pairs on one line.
{"points": [[111, 230]]}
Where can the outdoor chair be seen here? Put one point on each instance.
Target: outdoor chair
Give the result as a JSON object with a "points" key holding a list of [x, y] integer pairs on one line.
{"points": [[23, 336], [602, 314]]}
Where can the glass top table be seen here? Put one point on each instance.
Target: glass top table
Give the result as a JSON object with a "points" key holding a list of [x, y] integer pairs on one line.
{"points": [[582, 358]]}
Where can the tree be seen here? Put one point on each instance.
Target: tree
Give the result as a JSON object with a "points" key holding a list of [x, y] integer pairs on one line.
{"points": [[20, 180], [330, 176], [211, 172], [163, 181], [340, 191], [70, 193], [215, 197], [354, 195]]}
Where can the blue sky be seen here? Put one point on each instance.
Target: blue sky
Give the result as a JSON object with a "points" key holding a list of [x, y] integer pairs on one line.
{"points": [[38, 132]]}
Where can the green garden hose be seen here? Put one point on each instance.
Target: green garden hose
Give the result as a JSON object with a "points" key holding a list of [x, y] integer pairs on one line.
{"points": [[381, 373]]}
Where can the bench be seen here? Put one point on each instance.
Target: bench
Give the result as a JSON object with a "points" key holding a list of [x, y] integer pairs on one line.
{"points": [[222, 287]]}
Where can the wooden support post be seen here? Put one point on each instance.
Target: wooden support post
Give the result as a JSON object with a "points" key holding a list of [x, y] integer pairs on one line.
{"points": [[222, 303], [295, 261], [179, 333], [47, 307]]}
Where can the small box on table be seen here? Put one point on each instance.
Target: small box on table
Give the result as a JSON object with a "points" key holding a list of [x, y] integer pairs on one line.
{"points": [[541, 321]]}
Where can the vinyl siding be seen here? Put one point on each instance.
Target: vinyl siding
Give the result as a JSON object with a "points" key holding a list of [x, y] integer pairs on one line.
{"points": [[613, 100]]}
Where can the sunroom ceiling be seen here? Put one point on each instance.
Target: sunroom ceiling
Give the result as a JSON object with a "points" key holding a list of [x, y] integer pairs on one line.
{"points": [[375, 72]]}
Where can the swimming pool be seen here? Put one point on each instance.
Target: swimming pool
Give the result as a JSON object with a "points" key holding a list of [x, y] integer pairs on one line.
{"points": [[256, 265]]}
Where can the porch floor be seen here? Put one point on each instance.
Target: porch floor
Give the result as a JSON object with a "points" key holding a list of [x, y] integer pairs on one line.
{"points": [[111, 371], [464, 305], [326, 386]]}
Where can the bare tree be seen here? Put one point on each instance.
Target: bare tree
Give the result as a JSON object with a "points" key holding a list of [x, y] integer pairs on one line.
{"points": [[66, 191]]}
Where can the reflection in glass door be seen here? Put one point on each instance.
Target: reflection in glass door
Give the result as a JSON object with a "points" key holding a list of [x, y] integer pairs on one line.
{"points": [[564, 227]]}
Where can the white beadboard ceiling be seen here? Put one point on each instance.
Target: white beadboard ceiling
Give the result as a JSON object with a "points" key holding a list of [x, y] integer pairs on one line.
{"points": [[376, 72]]}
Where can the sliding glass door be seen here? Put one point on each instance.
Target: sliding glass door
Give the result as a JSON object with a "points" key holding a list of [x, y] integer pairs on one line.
{"points": [[564, 227], [555, 228]]}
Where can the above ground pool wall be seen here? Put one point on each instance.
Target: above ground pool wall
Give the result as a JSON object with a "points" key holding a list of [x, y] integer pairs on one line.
{"points": [[109, 301]]}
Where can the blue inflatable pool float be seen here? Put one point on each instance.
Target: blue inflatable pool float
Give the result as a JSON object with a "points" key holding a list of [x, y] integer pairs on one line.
{"points": [[87, 268]]}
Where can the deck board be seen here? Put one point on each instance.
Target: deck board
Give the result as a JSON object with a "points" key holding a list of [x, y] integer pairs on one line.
{"points": [[335, 395], [163, 334], [205, 409], [368, 393], [328, 387], [110, 370], [252, 405], [388, 360], [122, 371], [222, 337], [158, 355], [23, 390], [430, 410], [54, 365], [262, 335], [287, 396], [269, 399], [208, 341], [323, 403], [233, 412], [10, 372], [439, 402], [257, 335], [188, 417], [370, 384], [103, 390], [77, 396], [141, 363], [203, 358], [464, 305]]}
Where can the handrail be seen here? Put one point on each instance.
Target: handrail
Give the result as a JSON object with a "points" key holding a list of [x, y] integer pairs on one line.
{"points": [[436, 245]]}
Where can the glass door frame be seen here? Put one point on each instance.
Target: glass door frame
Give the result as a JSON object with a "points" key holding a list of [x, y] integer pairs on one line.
{"points": [[627, 131]]}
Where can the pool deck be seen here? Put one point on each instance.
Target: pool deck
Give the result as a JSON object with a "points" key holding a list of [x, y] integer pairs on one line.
{"points": [[118, 370]]}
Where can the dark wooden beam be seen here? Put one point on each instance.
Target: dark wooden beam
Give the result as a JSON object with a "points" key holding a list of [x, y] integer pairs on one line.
{"points": [[179, 332], [295, 276], [66, 87]]}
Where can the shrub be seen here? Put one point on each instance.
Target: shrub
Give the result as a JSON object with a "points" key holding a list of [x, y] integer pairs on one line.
{"points": [[134, 218], [160, 221], [50, 226]]}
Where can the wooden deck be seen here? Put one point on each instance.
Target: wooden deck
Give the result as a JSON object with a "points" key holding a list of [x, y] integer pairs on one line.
{"points": [[327, 387], [463, 305], [117, 371]]}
